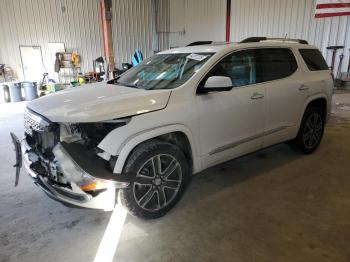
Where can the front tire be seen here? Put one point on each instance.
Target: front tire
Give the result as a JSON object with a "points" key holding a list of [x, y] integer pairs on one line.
{"points": [[161, 176], [311, 130]]}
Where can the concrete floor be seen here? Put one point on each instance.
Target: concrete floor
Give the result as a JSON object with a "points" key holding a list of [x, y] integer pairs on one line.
{"points": [[274, 205]]}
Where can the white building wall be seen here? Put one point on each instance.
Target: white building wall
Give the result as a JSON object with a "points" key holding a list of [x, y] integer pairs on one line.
{"points": [[154, 25], [196, 20], [38, 22], [291, 18]]}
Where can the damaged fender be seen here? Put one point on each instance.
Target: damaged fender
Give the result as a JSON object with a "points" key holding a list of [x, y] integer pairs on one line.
{"points": [[120, 143]]}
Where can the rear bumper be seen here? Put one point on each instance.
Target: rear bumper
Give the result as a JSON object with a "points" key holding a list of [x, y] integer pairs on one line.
{"points": [[104, 200]]}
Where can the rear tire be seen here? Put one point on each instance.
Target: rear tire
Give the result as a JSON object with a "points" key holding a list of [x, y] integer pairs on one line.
{"points": [[161, 176], [311, 130]]}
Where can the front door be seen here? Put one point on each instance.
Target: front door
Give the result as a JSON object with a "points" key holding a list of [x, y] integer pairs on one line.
{"points": [[232, 122]]}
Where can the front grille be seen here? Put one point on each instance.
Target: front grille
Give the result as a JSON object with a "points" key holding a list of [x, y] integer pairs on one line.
{"points": [[40, 134], [34, 122]]}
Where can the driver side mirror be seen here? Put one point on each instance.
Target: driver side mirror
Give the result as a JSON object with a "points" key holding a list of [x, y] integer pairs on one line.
{"points": [[217, 83]]}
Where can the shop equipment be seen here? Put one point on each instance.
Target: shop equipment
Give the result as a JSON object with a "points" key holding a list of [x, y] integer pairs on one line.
{"points": [[334, 49]]}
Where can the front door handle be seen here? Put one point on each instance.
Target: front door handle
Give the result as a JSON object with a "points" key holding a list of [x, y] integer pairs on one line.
{"points": [[257, 96], [303, 88]]}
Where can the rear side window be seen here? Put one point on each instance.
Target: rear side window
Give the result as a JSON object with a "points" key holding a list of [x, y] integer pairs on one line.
{"points": [[313, 59], [274, 63]]}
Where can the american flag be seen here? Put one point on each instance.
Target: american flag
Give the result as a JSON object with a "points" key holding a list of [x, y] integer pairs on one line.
{"points": [[328, 8]]}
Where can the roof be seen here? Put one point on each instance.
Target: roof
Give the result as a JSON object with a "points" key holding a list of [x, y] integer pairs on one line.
{"points": [[197, 49], [214, 48]]}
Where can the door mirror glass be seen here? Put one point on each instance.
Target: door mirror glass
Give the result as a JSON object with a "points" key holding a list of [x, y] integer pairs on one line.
{"points": [[218, 83]]}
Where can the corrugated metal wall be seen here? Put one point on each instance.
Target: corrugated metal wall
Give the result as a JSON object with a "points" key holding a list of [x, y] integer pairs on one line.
{"points": [[162, 25], [154, 25], [195, 20], [139, 24], [38, 22], [294, 18], [133, 27]]}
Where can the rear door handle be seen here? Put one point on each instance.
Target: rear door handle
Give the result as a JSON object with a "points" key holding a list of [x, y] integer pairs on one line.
{"points": [[303, 87], [257, 96]]}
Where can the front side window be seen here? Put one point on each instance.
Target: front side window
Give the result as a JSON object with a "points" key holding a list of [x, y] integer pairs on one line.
{"points": [[239, 66], [163, 71]]}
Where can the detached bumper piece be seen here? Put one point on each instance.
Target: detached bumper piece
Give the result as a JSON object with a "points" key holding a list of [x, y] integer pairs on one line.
{"points": [[18, 164], [71, 158]]}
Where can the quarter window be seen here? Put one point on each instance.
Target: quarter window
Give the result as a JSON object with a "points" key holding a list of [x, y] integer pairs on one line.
{"points": [[313, 59]]}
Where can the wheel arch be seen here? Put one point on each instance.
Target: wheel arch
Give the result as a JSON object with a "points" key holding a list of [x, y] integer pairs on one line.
{"points": [[321, 103], [319, 100], [178, 135]]}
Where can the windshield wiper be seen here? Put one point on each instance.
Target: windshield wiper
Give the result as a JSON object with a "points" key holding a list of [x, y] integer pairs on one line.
{"points": [[131, 85]]}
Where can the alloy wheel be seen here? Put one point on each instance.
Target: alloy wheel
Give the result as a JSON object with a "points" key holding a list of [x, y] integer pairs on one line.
{"points": [[312, 130], [157, 182]]}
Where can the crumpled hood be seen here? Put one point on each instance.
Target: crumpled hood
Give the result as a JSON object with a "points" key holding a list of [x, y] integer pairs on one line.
{"points": [[98, 102]]}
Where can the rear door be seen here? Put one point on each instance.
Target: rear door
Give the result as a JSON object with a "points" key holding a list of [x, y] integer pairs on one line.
{"points": [[286, 93]]}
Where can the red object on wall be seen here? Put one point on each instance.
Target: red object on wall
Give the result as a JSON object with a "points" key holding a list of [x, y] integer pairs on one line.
{"points": [[103, 29], [329, 8], [228, 20]]}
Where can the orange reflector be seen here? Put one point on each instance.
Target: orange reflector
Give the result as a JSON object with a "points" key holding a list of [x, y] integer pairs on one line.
{"points": [[88, 187]]}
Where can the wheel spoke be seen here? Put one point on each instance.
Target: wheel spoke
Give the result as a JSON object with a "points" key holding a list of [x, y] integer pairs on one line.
{"points": [[156, 164], [170, 169], [309, 125], [307, 135], [172, 184], [144, 200], [319, 126], [161, 197], [144, 180]]}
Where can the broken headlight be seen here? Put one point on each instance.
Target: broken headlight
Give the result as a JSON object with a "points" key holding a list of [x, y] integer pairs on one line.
{"points": [[74, 173]]}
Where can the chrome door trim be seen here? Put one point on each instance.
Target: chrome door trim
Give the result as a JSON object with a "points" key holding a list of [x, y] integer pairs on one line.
{"points": [[246, 140]]}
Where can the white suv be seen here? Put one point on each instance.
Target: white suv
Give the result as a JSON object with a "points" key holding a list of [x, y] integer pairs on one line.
{"points": [[141, 136]]}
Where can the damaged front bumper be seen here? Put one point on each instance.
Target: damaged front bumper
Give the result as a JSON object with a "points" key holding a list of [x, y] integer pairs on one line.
{"points": [[105, 199]]}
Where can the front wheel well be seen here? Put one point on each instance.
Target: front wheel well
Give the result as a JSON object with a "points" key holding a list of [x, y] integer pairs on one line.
{"points": [[176, 138], [180, 140]]}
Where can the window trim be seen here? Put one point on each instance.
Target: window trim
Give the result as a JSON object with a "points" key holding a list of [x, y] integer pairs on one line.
{"points": [[198, 92]]}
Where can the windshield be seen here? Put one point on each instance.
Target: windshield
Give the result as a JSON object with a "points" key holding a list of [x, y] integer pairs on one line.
{"points": [[163, 71]]}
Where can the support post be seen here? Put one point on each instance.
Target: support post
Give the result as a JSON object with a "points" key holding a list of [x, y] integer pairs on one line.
{"points": [[106, 6]]}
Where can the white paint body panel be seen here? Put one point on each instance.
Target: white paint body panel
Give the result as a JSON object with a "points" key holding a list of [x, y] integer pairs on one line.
{"points": [[98, 102], [219, 125]]}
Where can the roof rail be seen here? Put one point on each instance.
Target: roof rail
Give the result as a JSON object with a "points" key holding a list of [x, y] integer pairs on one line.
{"points": [[200, 43], [260, 39]]}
